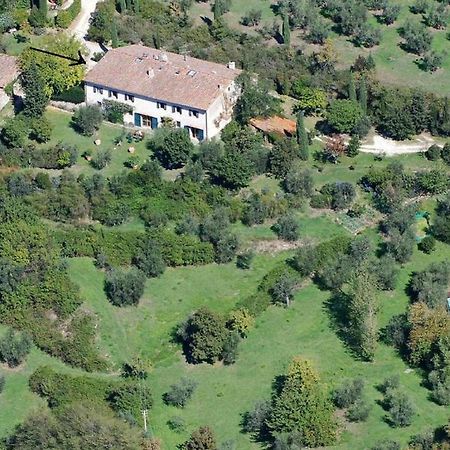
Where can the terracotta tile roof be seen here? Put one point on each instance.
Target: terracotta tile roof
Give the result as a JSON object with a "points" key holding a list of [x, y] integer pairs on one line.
{"points": [[9, 69], [275, 124], [161, 75]]}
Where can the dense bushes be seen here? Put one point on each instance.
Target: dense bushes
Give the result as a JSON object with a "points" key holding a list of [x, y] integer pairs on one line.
{"points": [[180, 393], [124, 287], [87, 119], [14, 348], [67, 16]]}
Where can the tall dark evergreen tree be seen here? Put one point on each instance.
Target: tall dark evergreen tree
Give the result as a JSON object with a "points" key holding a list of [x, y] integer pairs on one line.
{"points": [[362, 97], [36, 98], [123, 6], [351, 88], [114, 35], [302, 137], [286, 30], [43, 7]]}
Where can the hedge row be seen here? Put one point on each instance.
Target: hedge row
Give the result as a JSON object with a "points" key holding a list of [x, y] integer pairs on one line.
{"points": [[66, 17], [120, 247]]}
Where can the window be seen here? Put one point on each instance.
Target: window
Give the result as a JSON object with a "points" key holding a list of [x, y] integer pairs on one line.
{"points": [[178, 124], [193, 113], [177, 109], [113, 94], [129, 97], [160, 105], [146, 121], [98, 90]]}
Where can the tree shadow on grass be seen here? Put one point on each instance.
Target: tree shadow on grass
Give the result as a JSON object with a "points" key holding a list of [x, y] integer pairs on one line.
{"points": [[337, 309]]}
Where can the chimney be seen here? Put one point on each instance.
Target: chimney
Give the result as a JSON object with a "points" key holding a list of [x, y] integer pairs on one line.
{"points": [[231, 65], [150, 73]]}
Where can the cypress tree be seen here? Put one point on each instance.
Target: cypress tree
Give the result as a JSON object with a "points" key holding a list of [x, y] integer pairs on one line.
{"points": [[43, 8], [129, 4], [302, 137], [351, 88], [114, 36], [217, 10], [363, 94], [136, 6], [36, 98], [123, 6], [286, 30]]}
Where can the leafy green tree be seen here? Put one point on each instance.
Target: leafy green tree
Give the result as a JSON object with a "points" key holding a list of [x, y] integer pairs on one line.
{"points": [[85, 426], [149, 258], [302, 137], [172, 147], [234, 169], [299, 182], [417, 37], [36, 97], [14, 347], [348, 393], [283, 155], [87, 119], [343, 115], [124, 287], [230, 348], [255, 420], [302, 405], [311, 100], [201, 439], [283, 289], [427, 244], [401, 409], [203, 336], [130, 398], [180, 393], [255, 101], [287, 228], [59, 74], [15, 131], [100, 22], [432, 61], [389, 13]]}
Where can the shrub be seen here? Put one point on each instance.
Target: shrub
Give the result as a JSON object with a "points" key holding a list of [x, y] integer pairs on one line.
{"points": [[445, 153], [179, 394], [401, 409], [344, 115], [244, 260], [203, 336], [172, 147], [176, 424], [347, 394], [359, 411], [433, 153], [130, 398], [73, 95], [124, 287], [201, 439], [87, 119], [287, 228], [386, 444], [14, 347], [114, 111], [67, 16], [41, 130], [255, 420], [390, 383], [101, 159], [15, 131], [2, 382], [149, 258], [230, 348], [241, 320], [427, 244]]}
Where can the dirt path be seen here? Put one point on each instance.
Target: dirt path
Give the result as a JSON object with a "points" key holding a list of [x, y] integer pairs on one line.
{"points": [[379, 144], [80, 26]]}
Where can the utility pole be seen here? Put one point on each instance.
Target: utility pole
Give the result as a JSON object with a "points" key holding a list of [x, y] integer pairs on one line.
{"points": [[144, 415]]}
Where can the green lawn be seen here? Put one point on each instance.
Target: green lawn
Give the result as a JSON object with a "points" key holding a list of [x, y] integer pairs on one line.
{"points": [[62, 131]]}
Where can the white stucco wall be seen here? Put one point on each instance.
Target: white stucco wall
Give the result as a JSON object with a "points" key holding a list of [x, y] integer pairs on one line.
{"points": [[211, 121]]}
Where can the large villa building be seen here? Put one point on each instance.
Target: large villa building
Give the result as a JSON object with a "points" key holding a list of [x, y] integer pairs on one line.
{"points": [[160, 86]]}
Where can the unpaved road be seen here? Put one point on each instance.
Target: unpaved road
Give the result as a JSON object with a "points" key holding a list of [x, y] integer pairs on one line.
{"points": [[389, 147], [80, 26]]}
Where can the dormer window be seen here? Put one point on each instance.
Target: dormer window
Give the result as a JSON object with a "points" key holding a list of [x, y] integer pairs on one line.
{"points": [[160, 105], [193, 113], [129, 97]]}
